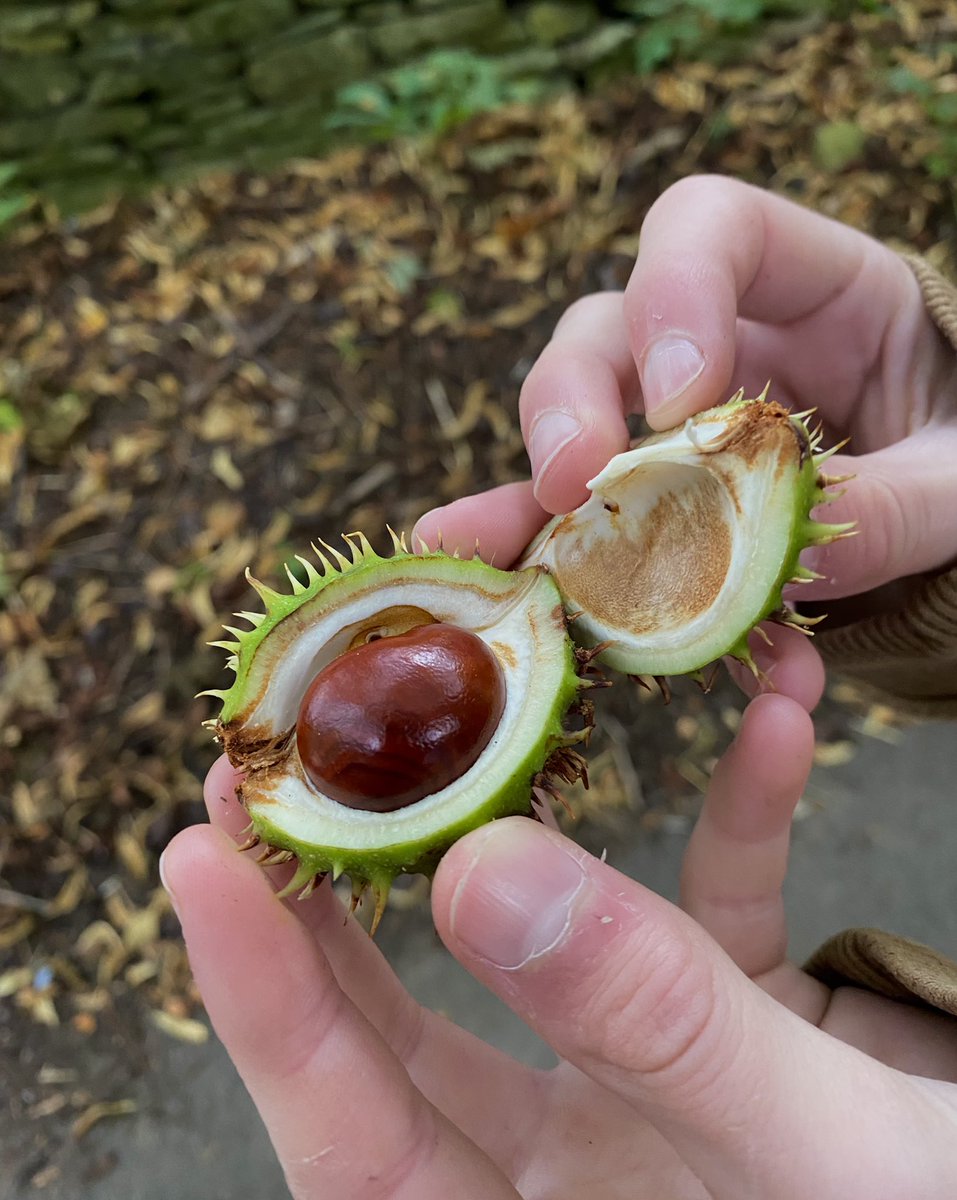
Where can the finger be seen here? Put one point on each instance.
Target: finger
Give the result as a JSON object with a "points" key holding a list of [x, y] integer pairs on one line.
{"points": [[633, 992], [902, 500], [433, 1050], [736, 860], [342, 1113], [574, 400], [501, 522], [756, 255], [787, 665]]}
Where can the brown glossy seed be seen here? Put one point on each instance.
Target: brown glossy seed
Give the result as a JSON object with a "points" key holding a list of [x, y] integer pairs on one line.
{"points": [[393, 721]]}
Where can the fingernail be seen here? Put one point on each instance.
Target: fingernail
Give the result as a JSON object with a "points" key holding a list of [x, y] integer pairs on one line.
{"points": [[165, 882], [670, 365], [514, 902], [550, 434]]}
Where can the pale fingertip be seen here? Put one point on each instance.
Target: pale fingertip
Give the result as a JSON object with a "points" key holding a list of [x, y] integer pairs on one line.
{"points": [[193, 854], [197, 860], [775, 745]]}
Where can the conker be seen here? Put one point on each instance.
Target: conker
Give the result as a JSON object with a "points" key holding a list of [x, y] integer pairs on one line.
{"points": [[402, 717]]}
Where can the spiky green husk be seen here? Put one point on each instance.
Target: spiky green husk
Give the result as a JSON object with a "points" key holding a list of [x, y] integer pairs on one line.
{"points": [[269, 758], [704, 468]]}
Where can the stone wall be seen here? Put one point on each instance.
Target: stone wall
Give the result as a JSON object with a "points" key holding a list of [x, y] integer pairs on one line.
{"points": [[100, 96]]}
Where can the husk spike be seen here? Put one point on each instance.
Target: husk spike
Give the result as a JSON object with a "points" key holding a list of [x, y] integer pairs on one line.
{"points": [[821, 534], [303, 876], [269, 597], [298, 587], [312, 575], [664, 687], [763, 633], [358, 888], [706, 682], [641, 681], [276, 858], [360, 546], [342, 562], [254, 618], [821, 458], [324, 562], [789, 617], [311, 886], [380, 892]]}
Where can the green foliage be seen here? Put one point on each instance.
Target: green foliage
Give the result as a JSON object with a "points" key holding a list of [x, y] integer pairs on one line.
{"points": [[10, 417], [941, 111], [14, 200], [703, 29], [838, 144], [427, 97]]}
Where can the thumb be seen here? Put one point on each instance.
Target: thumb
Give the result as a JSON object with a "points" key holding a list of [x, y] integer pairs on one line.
{"points": [[632, 992], [902, 500]]}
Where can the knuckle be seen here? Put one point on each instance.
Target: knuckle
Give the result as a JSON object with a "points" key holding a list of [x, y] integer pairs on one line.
{"points": [[397, 1173], [405, 1031], [295, 1052], [584, 309], [652, 1012]]}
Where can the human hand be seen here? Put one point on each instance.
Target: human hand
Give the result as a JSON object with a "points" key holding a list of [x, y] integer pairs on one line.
{"points": [[732, 287], [681, 1076]]}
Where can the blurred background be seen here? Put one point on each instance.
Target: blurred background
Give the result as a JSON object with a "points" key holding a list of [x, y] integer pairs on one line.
{"points": [[273, 269]]}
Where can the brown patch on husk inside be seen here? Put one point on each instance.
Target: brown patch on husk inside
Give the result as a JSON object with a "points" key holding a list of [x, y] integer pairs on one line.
{"points": [[683, 556]]}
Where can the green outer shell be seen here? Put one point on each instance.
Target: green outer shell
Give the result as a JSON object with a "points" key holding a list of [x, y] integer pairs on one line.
{"points": [[808, 494], [381, 865]]}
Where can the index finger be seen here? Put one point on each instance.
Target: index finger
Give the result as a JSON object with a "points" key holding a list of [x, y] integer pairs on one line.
{"points": [[714, 250]]}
